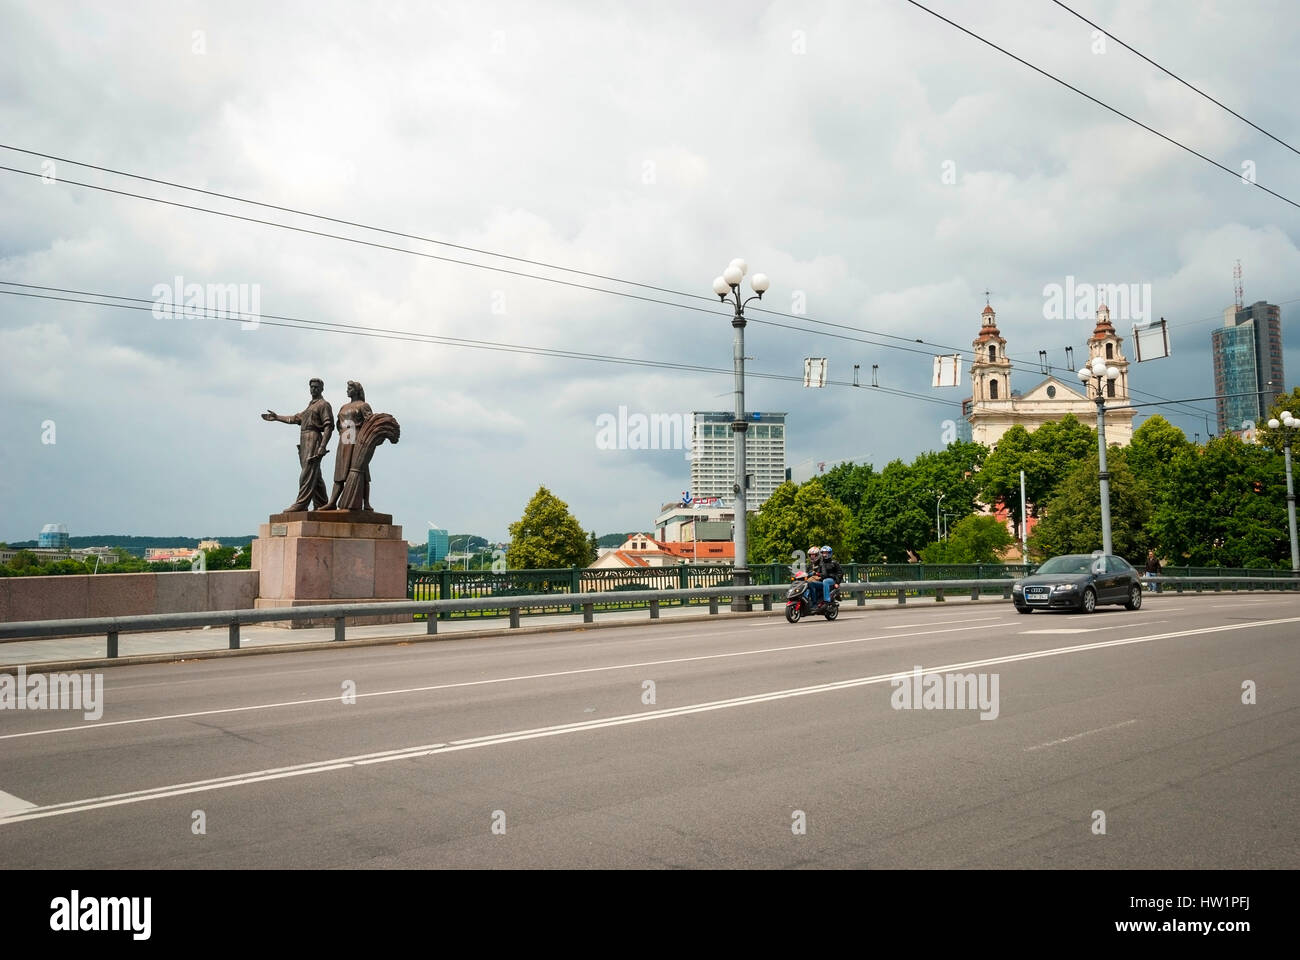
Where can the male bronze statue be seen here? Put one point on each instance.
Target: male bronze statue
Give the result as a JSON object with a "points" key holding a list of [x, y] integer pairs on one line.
{"points": [[317, 423]]}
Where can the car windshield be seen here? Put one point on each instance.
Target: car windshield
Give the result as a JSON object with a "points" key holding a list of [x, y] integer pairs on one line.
{"points": [[1067, 565]]}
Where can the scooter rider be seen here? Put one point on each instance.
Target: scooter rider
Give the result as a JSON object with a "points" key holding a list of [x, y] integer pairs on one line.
{"points": [[830, 572], [814, 577]]}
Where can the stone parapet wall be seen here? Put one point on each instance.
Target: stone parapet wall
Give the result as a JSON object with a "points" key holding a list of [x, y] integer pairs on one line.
{"points": [[80, 596]]}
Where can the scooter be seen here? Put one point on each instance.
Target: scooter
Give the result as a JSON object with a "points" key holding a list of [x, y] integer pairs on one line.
{"points": [[799, 601]]}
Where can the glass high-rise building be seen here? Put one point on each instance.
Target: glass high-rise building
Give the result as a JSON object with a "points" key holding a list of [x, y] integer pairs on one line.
{"points": [[437, 548], [1248, 374], [713, 456], [53, 536]]}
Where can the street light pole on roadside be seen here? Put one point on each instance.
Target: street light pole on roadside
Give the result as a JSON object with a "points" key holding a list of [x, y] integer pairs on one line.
{"points": [[727, 287], [1098, 372], [1288, 426]]}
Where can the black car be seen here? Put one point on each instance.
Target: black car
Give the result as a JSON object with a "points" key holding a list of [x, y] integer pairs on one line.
{"points": [[1079, 581]]}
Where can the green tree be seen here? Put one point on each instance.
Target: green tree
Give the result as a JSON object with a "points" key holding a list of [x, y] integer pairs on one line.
{"points": [[1046, 456], [547, 535], [795, 518], [1273, 438], [220, 558], [1223, 504], [977, 539], [1154, 447], [897, 513], [1071, 520], [1000, 479], [849, 483], [23, 561], [593, 547]]}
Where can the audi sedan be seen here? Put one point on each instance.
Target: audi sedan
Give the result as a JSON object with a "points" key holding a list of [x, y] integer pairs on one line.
{"points": [[1080, 582]]}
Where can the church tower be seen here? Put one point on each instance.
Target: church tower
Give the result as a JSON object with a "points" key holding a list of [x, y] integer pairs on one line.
{"points": [[990, 373], [1106, 343]]}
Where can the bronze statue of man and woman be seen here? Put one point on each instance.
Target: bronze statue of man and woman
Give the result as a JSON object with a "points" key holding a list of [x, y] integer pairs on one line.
{"points": [[360, 431]]}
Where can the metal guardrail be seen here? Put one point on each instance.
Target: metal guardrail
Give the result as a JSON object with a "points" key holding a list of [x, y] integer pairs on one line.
{"points": [[233, 620]]}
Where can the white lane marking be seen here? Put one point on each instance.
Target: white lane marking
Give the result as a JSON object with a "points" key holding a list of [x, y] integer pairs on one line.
{"points": [[1242, 603], [10, 804], [1052, 743], [1114, 626], [514, 736], [474, 683], [939, 623]]}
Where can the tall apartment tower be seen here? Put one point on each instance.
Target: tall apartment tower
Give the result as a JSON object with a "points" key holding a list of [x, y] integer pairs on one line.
{"points": [[1248, 374], [713, 456]]}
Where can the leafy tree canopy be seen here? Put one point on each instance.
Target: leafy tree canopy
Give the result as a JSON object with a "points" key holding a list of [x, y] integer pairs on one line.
{"points": [[977, 539], [795, 518], [547, 536]]}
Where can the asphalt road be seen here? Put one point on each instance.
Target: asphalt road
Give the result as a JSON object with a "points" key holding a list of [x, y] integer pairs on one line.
{"points": [[552, 750]]}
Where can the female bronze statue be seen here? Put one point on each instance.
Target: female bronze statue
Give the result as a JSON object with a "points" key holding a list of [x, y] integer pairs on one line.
{"points": [[352, 417]]}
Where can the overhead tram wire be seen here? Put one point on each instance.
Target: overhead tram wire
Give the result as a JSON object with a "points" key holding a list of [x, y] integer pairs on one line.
{"points": [[801, 318], [318, 326], [410, 236], [1101, 103], [1175, 76], [470, 263]]}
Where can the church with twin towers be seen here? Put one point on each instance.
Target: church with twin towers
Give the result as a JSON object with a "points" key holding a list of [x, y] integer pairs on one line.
{"points": [[994, 407]]}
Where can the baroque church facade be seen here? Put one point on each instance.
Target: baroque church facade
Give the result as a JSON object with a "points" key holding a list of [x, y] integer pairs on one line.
{"points": [[993, 408]]}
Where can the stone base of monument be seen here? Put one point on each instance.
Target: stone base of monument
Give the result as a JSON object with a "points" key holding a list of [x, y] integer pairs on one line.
{"points": [[329, 557]]}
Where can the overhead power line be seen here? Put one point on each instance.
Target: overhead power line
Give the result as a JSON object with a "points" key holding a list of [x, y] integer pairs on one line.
{"points": [[1175, 76], [964, 351], [1120, 113], [491, 267], [408, 236], [318, 326]]}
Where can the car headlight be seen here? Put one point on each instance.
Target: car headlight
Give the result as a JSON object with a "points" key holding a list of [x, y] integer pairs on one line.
{"points": [[1064, 587], [1018, 585]]}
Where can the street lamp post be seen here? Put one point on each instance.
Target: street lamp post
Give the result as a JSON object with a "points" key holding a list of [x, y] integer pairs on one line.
{"points": [[1288, 426], [727, 287], [1098, 372]]}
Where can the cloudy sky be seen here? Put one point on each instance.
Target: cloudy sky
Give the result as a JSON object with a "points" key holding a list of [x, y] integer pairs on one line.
{"points": [[881, 167]]}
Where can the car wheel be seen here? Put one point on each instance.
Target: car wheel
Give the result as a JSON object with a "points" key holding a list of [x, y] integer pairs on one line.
{"points": [[1134, 601], [792, 612], [1089, 603], [1020, 609]]}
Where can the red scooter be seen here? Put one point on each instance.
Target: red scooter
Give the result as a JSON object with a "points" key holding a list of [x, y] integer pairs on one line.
{"points": [[799, 601]]}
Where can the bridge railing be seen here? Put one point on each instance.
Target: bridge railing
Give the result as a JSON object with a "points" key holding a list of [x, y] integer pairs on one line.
{"points": [[621, 583], [856, 592]]}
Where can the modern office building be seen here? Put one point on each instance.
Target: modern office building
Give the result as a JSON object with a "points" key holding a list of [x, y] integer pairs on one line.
{"points": [[439, 544], [53, 536], [1248, 374], [713, 456]]}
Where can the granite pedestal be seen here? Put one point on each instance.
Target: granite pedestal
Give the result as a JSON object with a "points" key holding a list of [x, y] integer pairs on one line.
{"points": [[330, 556]]}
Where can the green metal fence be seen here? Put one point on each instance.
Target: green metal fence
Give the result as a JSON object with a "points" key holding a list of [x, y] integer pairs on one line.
{"points": [[460, 584]]}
